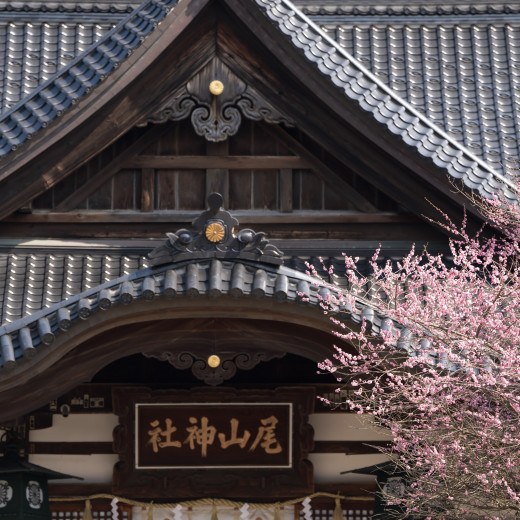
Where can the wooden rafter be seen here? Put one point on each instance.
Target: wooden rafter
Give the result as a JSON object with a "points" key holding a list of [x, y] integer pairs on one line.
{"points": [[110, 169]]}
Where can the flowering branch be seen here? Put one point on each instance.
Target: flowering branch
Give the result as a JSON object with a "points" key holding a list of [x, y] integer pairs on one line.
{"points": [[442, 369]]}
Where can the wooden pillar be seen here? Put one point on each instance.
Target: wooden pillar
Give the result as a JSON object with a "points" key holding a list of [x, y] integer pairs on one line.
{"points": [[217, 179]]}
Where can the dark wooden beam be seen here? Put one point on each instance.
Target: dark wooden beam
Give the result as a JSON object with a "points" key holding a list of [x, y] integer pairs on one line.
{"points": [[349, 447], [245, 217], [286, 190], [110, 169], [349, 489], [57, 489], [230, 162], [147, 189], [70, 448], [88, 448], [217, 178]]}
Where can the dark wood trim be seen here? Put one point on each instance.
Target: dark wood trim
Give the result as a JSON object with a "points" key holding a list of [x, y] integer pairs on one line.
{"points": [[286, 190], [349, 447], [245, 217], [57, 489], [230, 162], [217, 176], [349, 489], [70, 448], [110, 169], [88, 448]]}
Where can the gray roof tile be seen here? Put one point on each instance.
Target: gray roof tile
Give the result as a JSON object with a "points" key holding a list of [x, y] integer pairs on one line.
{"points": [[71, 69], [460, 73], [213, 278]]}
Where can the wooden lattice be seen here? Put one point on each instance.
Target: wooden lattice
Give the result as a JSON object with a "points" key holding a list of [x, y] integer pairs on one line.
{"points": [[351, 510]]}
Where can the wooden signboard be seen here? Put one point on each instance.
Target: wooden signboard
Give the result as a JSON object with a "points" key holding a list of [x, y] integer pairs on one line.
{"points": [[195, 435], [213, 442]]}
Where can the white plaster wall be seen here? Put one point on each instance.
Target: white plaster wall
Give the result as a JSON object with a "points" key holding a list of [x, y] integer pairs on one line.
{"points": [[78, 428], [345, 426], [96, 427], [93, 469], [328, 467], [348, 427]]}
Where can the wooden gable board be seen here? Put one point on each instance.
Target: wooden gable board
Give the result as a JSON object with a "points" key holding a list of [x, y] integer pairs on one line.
{"points": [[254, 49]]}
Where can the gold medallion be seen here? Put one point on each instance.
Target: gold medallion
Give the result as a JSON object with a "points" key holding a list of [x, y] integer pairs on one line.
{"points": [[213, 361], [216, 87], [215, 232]]}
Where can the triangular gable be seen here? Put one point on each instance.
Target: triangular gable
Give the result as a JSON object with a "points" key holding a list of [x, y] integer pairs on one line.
{"points": [[249, 36]]}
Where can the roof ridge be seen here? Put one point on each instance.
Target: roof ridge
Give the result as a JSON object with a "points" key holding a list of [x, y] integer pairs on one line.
{"points": [[85, 72], [97, 6], [406, 8], [387, 107]]}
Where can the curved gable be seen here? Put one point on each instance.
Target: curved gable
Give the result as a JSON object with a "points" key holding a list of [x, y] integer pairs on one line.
{"points": [[289, 60]]}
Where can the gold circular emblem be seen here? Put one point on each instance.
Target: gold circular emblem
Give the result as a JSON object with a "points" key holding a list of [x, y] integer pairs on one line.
{"points": [[216, 87], [215, 232], [213, 361]]}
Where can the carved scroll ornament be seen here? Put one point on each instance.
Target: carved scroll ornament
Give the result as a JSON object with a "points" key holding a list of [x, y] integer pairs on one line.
{"points": [[229, 363], [216, 117]]}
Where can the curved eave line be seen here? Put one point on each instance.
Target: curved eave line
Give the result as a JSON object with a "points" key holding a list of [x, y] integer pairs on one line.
{"points": [[23, 339], [383, 103], [77, 79]]}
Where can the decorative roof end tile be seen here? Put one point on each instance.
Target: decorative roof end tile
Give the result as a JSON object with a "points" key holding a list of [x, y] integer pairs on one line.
{"points": [[213, 236]]}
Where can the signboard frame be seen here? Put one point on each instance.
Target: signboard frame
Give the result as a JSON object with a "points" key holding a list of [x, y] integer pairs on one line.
{"points": [[186, 481], [140, 434]]}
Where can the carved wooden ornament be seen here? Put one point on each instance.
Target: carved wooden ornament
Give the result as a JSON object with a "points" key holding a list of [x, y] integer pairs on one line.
{"points": [[216, 99], [213, 236]]}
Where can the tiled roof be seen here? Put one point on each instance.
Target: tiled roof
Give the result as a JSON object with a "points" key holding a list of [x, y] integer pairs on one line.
{"points": [[23, 337], [49, 99], [47, 293], [31, 53], [461, 72], [31, 282], [38, 39], [42, 275], [444, 81], [395, 7], [71, 6], [383, 102]]}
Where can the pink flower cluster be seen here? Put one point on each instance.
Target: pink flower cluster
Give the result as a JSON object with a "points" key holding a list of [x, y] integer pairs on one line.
{"points": [[440, 366]]}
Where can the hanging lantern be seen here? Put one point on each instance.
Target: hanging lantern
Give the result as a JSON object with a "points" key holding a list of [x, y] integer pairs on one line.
{"points": [[391, 483], [23, 486]]}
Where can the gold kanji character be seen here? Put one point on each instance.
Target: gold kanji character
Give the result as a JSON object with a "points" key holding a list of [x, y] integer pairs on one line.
{"points": [[203, 435], [267, 436], [157, 433], [241, 441]]}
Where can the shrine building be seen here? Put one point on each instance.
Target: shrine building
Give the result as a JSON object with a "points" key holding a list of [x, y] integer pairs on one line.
{"points": [[169, 170]]}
